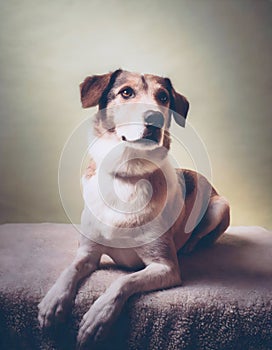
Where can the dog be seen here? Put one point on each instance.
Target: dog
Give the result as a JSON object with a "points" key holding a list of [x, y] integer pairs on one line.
{"points": [[149, 210]]}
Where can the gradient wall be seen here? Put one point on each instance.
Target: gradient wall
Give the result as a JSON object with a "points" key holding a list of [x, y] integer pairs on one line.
{"points": [[217, 53]]}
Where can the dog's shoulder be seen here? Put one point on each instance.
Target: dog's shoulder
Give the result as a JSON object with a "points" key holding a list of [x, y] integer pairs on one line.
{"points": [[190, 180], [187, 179]]}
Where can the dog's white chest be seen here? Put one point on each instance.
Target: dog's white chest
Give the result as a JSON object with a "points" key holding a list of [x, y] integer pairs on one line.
{"points": [[113, 199], [113, 207], [124, 212]]}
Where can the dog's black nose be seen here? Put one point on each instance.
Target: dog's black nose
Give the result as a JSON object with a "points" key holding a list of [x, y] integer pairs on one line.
{"points": [[155, 119]]}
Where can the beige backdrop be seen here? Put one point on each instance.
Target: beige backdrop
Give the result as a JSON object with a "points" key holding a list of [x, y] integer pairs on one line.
{"points": [[218, 53]]}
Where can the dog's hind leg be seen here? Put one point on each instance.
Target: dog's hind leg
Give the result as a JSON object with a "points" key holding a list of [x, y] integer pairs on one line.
{"points": [[214, 222]]}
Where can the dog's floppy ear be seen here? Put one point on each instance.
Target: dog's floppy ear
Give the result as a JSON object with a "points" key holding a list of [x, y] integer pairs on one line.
{"points": [[181, 107], [92, 89], [179, 104]]}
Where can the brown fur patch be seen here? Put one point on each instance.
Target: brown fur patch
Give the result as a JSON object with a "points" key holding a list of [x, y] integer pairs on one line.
{"points": [[166, 139], [91, 169], [92, 89]]}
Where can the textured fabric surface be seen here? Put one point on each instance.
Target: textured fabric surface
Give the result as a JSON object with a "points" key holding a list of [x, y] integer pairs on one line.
{"points": [[224, 303]]}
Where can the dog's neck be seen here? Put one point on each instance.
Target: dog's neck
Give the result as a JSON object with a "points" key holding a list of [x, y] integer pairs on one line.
{"points": [[131, 166], [124, 161], [134, 178]]}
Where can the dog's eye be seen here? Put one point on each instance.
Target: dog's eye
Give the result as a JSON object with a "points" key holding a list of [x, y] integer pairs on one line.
{"points": [[163, 97], [127, 92]]}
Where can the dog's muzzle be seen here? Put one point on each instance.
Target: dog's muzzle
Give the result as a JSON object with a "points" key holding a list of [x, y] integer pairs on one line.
{"points": [[151, 130]]}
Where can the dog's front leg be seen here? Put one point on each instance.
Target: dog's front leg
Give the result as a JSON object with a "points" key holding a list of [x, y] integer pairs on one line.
{"points": [[59, 299], [97, 321]]}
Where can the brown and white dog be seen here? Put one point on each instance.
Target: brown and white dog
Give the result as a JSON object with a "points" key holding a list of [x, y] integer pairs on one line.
{"points": [[137, 206]]}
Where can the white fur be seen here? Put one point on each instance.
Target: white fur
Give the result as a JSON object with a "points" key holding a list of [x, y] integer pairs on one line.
{"points": [[111, 202]]}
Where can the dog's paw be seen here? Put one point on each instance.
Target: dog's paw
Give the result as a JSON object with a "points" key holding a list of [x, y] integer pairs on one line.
{"points": [[54, 307], [97, 322]]}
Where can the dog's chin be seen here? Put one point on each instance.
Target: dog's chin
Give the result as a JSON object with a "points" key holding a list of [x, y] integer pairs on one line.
{"points": [[142, 144]]}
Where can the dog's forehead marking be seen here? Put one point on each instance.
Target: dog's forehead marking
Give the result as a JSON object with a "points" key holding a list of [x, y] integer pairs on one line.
{"points": [[145, 85], [156, 81], [133, 80], [143, 82]]}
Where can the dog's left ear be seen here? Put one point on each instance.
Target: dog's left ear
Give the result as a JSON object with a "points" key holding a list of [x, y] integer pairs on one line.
{"points": [[179, 104], [92, 89]]}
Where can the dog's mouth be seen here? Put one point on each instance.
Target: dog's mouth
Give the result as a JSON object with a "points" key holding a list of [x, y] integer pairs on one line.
{"points": [[152, 134]]}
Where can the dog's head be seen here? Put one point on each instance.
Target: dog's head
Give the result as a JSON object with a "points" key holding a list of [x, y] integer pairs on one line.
{"points": [[136, 108]]}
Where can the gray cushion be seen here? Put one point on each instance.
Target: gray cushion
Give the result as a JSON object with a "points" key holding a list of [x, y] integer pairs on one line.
{"points": [[224, 303]]}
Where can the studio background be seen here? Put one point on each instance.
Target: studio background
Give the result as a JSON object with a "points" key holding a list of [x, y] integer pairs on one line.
{"points": [[217, 53]]}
